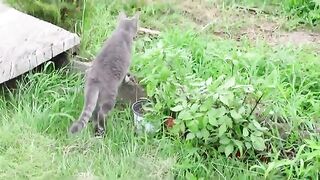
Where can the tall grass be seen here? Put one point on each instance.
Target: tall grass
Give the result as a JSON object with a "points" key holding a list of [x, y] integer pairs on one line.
{"points": [[303, 11], [211, 86], [65, 13], [33, 125]]}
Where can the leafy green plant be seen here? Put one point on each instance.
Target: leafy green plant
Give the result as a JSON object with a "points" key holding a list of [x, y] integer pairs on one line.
{"points": [[214, 111], [215, 94], [307, 10], [66, 13]]}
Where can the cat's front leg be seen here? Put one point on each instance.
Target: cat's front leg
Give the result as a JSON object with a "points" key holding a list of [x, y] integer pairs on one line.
{"points": [[130, 79]]}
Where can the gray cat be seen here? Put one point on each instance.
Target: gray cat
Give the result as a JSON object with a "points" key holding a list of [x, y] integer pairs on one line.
{"points": [[106, 74]]}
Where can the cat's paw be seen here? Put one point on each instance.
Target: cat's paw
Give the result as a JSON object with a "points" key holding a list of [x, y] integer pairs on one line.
{"points": [[75, 127], [99, 133]]}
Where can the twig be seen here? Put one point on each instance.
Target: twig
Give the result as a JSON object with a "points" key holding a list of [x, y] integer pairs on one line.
{"points": [[149, 31], [219, 33], [257, 10], [79, 66], [254, 10], [206, 26], [255, 106], [82, 58]]}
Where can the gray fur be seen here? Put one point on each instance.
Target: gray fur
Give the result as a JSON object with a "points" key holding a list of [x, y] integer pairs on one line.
{"points": [[106, 74]]}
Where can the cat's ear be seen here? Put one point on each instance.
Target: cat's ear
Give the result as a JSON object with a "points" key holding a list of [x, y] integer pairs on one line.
{"points": [[137, 15], [122, 15], [135, 19], [127, 78]]}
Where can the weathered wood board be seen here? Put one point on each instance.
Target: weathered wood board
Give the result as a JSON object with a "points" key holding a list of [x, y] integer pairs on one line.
{"points": [[26, 42]]}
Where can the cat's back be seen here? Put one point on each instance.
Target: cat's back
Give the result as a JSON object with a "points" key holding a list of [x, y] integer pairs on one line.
{"points": [[115, 49], [114, 58]]}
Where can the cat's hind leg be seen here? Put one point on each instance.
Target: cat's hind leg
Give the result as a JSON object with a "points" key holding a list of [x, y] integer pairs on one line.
{"points": [[105, 105]]}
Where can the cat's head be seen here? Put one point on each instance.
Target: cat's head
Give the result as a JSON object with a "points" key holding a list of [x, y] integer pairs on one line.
{"points": [[130, 24]]}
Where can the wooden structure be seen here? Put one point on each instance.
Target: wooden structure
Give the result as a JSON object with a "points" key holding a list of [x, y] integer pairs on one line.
{"points": [[26, 42]]}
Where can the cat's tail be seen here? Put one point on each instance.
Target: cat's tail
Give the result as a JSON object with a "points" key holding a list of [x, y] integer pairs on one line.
{"points": [[91, 98]]}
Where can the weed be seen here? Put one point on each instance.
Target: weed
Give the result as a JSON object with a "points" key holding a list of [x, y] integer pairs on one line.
{"points": [[242, 110], [65, 13]]}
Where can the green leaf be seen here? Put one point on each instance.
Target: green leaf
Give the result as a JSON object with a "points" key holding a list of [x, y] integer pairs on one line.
{"points": [[252, 127], [239, 144], [258, 126], [205, 133], [164, 73], [229, 83], [242, 110], [194, 107], [277, 165], [221, 111], [258, 143], [258, 133], [245, 132], [222, 129], [151, 89], [185, 115], [317, 2], [184, 102], [203, 122], [248, 145], [221, 148], [224, 99], [228, 149], [193, 125], [203, 108], [228, 121], [206, 105], [212, 119], [190, 176], [177, 108], [190, 136], [235, 115], [313, 144], [215, 97], [197, 115], [224, 140]]}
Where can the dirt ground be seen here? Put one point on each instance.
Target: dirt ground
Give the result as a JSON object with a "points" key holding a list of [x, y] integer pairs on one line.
{"points": [[240, 22]]}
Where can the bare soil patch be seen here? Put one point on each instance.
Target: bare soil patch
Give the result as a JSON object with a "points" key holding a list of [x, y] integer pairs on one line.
{"points": [[274, 35], [240, 23]]}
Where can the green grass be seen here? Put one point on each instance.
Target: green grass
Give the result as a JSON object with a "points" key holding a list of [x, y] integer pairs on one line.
{"points": [[34, 118], [34, 143]]}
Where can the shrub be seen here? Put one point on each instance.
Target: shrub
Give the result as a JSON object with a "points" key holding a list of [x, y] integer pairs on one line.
{"points": [[307, 10], [213, 90], [61, 12], [212, 108]]}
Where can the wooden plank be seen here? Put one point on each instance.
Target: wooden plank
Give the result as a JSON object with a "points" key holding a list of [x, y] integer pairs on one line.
{"points": [[26, 42]]}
